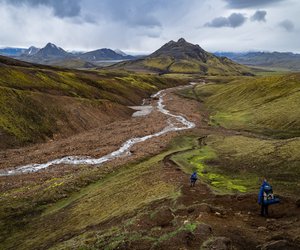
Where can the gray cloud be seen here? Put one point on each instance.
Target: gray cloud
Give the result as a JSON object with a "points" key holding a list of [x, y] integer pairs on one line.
{"points": [[144, 25], [241, 4], [287, 25], [259, 16], [146, 13], [61, 8], [234, 20]]}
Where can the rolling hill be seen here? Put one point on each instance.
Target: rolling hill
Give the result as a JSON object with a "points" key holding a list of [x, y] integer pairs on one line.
{"points": [[266, 105], [103, 54], [274, 60], [184, 57], [41, 102]]}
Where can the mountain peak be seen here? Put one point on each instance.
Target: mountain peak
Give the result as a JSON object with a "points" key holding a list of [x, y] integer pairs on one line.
{"points": [[181, 50], [51, 50], [51, 45], [185, 57], [181, 40]]}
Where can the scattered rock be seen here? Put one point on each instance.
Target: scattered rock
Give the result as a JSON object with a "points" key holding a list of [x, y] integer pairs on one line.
{"points": [[218, 243], [279, 245], [261, 229], [238, 214]]}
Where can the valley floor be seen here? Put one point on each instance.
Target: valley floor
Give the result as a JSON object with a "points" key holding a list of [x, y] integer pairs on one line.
{"points": [[142, 201]]}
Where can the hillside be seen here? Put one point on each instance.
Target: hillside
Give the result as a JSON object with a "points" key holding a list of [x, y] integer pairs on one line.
{"points": [[144, 200], [39, 103], [273, 60], [267, 105], [184, 57], [255, 130]]}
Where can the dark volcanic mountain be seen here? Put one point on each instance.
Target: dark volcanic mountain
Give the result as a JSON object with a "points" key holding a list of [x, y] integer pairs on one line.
{"points": [[276, 60], [30, 51], [184, 57], [52, 51], [56, 56], [103, 54], [181, 50]]}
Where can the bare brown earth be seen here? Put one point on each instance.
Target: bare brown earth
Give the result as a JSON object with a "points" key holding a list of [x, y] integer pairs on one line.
{"points": [[235, 217], [98, 142]]}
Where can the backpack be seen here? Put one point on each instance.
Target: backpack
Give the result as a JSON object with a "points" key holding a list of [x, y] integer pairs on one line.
{"points": [[268, 196], [268, 193]]}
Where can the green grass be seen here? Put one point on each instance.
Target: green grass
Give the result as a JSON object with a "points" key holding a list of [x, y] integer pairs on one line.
{"points": [[267, 105], [71, 203], [168, 64], [220, 181], [250, 159], [238, 163], [30, 98]]}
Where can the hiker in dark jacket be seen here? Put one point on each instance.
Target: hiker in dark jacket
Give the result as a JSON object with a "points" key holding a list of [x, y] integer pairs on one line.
{"points": [[193, 179], [261, 197], [266, 197]]}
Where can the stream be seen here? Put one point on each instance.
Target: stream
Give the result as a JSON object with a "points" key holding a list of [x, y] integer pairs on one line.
{"points": [[180, 124]]}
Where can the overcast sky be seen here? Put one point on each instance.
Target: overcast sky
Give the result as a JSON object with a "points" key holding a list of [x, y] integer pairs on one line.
{"points": [[145, 25]]}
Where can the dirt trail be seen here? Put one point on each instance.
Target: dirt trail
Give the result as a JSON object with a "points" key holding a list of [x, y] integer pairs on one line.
{"points": [[237, 216]]}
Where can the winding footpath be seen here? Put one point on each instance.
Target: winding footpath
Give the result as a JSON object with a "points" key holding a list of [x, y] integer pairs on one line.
{"points": [[180, 123]]}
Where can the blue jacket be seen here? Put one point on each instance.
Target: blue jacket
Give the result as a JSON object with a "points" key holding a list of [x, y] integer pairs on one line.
{"points": [[194, 176], [261, 191]]}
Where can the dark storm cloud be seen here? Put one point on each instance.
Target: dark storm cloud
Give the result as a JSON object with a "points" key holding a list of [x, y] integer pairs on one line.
{"points": [[241, 4], [61, 8], [234, 20], [259, 16], [287, 25]]}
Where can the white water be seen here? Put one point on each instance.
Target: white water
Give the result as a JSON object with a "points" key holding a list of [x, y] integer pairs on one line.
{"points": [[141, 110], [122, 151]]}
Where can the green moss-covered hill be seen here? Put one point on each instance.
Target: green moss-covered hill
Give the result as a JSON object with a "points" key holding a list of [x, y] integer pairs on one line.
{"points": [[266, 105], [39, 102], [184, 57]]}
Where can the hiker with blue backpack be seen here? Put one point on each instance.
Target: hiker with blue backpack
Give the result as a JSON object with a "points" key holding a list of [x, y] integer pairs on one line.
{"points": [[266, 198], [193, 178]]}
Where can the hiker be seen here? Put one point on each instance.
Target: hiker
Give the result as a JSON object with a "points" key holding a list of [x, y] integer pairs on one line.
{"points": [[193, 179], [266, 198]]}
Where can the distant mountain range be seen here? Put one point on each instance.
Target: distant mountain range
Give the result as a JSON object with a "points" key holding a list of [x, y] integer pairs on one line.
{"points": [[273, 60], [12, 51], [54, 55], [179, 56], [184, 57]]}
